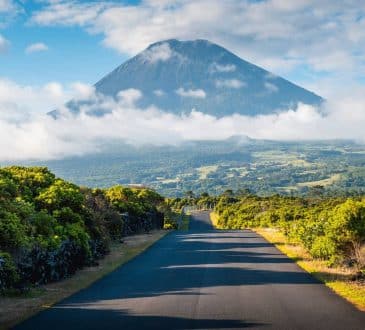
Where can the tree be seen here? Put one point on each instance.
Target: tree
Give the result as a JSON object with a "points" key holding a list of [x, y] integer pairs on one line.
{"points": [[30, 180], [347, 227], [60, 194], [189, 194], [228, 193]]}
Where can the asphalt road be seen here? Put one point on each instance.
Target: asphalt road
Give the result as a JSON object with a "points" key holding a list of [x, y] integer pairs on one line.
{"points": [[204, 279]]}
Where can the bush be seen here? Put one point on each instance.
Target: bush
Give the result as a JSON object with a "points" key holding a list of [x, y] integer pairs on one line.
{"points": [[329, 228], [12, 231], [40, 266], [323, 248], [30, 180], [52, 227], [59, 195], [170, 220], [8, 272]]}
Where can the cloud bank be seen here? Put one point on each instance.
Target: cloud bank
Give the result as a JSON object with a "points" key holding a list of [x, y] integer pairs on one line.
{"points": [[25, 134]]}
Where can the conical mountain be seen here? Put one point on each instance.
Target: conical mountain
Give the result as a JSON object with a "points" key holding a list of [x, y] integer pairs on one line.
{"points": [[177, 76]]}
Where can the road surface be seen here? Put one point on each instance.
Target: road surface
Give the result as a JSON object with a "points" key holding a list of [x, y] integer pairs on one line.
{"points": [[204, 279]]}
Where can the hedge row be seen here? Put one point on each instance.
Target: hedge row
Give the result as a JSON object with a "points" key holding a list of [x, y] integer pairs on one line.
{"points": [[332, 229], [49, 228]]}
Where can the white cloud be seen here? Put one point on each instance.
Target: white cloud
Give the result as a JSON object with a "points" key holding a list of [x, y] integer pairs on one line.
{"points": [[82, 91], [9, 9], [161, 52], [159, 92], [36, 47], [321, 36], [36, 99], [6, 6], [229, 83], [54, 89], [69, 13], [270, 87], [4, 44], [223, 67], [129, 96], [29, 135], [193, 93]]}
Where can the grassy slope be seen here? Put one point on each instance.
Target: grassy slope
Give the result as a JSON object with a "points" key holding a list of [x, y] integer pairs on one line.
{"points": [[15, 309]]}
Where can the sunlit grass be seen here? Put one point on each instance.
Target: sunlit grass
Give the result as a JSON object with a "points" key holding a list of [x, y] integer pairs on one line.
{"points": [[336, 278], [324, 182], [214, 219]]}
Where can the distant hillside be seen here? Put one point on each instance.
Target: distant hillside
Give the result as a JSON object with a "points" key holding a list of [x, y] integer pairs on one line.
{"points": [[265, 167], [177, 76]]}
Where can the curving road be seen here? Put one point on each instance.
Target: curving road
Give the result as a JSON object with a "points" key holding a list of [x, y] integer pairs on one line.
{"points": [[204, 279]]}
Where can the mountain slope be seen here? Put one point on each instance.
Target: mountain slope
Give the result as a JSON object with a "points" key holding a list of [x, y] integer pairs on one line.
{"points": [[177, 76]]}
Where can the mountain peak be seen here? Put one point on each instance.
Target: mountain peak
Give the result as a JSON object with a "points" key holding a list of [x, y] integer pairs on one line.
{"points": [[177, 42], [178, 76]]}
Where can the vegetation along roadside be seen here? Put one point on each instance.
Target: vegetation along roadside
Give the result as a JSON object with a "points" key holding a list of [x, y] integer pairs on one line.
{"points": [[50, 229], [15, 308], [324, 235]]}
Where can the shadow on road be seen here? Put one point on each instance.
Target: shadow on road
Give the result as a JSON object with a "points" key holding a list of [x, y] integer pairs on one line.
{"points": [[181, 264], [108, 319]]}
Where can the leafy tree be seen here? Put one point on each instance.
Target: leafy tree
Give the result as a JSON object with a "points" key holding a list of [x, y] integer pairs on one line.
{"points": [[60, 194], [346, 227], [7, 187], [31, 180]]}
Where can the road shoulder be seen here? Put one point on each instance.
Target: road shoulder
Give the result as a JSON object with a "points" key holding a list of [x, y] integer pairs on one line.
{"points": [[336, 278], [14, 310]]}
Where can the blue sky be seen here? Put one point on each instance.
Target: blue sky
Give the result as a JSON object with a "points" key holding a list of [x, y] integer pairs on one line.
{"points": [[72, 55], [307, 42]]}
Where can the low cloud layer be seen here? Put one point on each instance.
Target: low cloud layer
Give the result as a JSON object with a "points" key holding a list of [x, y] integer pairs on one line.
{"points": [[26, 134], [19, 102]]}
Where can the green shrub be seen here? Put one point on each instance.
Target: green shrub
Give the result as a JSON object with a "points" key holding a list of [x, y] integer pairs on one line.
{"points": [[8, 272], [65, 215], [60, 194], [8, 188], [12, 231], [323, 248], [30, 180], [52, 227]]}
